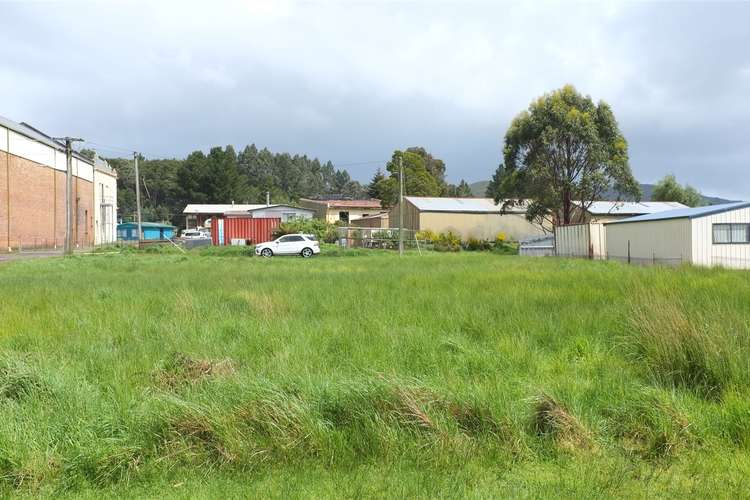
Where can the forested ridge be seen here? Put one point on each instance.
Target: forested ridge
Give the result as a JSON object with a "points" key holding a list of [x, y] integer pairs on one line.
{"points": [[222, 176]]}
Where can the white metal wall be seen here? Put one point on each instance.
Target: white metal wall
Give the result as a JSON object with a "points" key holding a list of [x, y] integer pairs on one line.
{"points": [[283, 213], [706, 253], [663, 241], [20, 145], [581, 240], [572, 240], [105, 208]]}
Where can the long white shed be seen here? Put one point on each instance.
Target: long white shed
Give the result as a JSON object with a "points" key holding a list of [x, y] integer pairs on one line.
{"points": [[717, 235]]}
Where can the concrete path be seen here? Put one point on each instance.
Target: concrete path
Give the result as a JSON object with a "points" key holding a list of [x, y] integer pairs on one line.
{"points": [[31, 254]]}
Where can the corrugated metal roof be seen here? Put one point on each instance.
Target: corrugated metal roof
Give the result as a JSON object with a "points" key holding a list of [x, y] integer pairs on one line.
{"points": [[466, 205], [240, 211], [689, 213], [376, 216], [209, 208], [370, 203], [631, 207], [144, 224]]}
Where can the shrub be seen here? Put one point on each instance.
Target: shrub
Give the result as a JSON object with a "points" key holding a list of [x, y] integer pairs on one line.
{"points": [[506, 248], [477, 244], [323, 230], [447, 242], [426, 235]]}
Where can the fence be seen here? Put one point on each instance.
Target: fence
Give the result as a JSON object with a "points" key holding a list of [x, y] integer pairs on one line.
{"points": [[31, 243], [542, 246], [371, 237], [581, 240]]}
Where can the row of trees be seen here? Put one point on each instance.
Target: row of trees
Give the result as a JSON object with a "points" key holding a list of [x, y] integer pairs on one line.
{"points": [[223, 176]]}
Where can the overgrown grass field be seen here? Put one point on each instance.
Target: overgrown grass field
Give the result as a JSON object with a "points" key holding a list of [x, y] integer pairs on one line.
{"points": [[445, 375]]}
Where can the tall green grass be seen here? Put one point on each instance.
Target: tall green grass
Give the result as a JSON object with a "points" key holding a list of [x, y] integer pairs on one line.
{"points": [[462, 375]]}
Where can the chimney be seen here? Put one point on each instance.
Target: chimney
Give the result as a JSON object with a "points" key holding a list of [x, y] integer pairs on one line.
{"points": [[268, 198]]}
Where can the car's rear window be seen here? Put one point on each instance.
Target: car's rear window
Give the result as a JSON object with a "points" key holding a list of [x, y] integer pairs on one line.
{"points": [[311, 237]]}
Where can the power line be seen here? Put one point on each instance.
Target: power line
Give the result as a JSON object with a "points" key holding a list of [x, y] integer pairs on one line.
{"points": [[121, 149]]}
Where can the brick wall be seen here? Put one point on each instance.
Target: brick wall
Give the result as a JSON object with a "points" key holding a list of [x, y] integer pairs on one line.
{"points": [[37, 206]]}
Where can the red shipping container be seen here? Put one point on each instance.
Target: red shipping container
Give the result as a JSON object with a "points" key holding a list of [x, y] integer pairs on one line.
{"points": [[252, 230]]}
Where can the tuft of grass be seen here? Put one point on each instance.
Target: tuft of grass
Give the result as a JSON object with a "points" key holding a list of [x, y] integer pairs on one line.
{"points": [[651, 426], [551, 419], [180, 369], [679, 348], [18, 381], [226, 251]]}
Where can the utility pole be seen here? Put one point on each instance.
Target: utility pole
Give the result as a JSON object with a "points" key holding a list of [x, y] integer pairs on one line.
{"points": [[137, 197], [401, 206], [69, 191]]}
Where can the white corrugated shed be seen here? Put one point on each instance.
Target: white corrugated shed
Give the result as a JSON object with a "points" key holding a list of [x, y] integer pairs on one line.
{"points": [[717, 235], [735, 224]]}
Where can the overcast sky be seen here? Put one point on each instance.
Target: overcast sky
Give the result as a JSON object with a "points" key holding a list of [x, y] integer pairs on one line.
{"points": [[351, 82]]}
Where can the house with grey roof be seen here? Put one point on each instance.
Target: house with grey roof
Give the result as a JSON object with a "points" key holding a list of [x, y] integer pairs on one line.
{"points": [[716, 235]]}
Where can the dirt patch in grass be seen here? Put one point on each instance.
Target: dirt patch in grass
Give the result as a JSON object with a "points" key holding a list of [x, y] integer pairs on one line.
{"points": [[550, 418], [182, 369]]}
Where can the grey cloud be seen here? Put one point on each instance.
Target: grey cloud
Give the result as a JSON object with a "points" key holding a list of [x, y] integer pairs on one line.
{"points": [[350, 83]]}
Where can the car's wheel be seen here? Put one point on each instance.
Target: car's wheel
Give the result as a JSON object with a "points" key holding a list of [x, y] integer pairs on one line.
{"points": [[266, 252], [307, 253]]}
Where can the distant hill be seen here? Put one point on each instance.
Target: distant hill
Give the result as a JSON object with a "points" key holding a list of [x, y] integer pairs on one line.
{"points": [[478, 189]]}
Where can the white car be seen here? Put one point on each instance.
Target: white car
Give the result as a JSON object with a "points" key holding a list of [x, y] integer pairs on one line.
{"points": [[193, 234], [305, 245]]}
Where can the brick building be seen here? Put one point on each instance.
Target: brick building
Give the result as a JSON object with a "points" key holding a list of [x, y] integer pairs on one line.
{"points": [[32, 192]]}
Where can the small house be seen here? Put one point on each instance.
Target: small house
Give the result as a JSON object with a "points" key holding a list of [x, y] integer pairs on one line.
{"points": [[588, 239], [152, 231], [372, 221], [341, 210], [717, 235], [285, 213]]}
